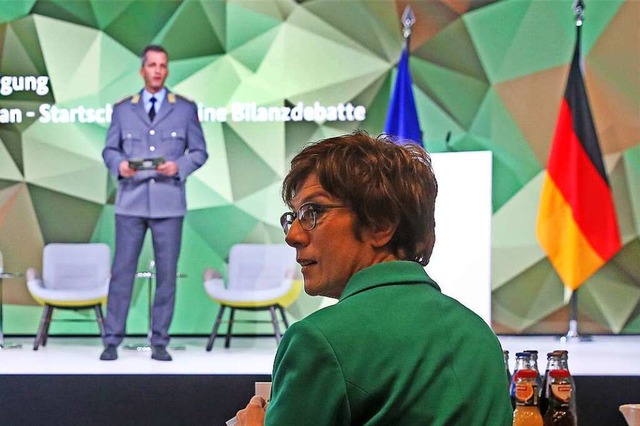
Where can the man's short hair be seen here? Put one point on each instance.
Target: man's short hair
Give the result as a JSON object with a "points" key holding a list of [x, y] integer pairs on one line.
{"points": [[152, 48], [383, 183]]}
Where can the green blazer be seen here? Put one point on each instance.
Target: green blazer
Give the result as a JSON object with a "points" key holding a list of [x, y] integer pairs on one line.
{"points": [[393, 351]]}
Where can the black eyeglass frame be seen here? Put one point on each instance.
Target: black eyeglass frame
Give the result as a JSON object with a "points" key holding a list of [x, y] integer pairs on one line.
{"points": [[313, 209]]}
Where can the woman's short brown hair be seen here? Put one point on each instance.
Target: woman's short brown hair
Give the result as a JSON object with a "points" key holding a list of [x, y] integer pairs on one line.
{"points": [[383, 183]]}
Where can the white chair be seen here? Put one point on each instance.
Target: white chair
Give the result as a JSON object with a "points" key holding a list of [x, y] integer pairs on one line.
{"points": [[261, 277], [74, 276]]}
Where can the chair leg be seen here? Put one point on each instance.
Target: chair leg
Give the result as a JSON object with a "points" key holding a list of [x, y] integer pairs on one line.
{"points": [[284, 316], [100, 319], [274, 320], [227, 340], [43, 327], [216, 325], [47, 324]]}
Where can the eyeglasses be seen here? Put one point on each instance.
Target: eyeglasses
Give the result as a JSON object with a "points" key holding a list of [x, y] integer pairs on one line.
{"points": [[307, 215]]}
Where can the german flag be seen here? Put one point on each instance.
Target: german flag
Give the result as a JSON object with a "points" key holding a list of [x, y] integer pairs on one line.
{"points": [[577, 225]]}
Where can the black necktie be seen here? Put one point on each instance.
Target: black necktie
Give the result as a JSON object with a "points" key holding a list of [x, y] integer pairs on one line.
{"points": [[152, 110]]}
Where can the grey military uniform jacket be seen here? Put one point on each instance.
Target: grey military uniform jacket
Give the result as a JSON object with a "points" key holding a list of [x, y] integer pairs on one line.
{"points": [[174, 134]]}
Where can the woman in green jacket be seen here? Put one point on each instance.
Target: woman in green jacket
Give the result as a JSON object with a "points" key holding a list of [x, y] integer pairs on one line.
{"points": [[393, 350]]}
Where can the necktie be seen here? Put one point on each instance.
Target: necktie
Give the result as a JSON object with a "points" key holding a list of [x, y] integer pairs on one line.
{"points": [[152, 110]]}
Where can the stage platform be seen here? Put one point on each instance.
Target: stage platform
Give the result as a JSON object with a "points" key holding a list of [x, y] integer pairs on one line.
{"points": [[66, 383], [80, 356], [604, 356]]}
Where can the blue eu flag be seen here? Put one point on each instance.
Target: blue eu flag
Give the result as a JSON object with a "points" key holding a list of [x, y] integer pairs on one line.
{"points": [[402, 117]]}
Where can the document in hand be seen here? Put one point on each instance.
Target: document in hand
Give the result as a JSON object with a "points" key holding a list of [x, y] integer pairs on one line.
{"points": [[145, 163]]}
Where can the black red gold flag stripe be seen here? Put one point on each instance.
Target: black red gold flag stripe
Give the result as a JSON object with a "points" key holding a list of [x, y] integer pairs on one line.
{"points": [[577, 225]]}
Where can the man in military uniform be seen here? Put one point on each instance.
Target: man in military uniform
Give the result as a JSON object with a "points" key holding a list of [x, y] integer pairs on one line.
{"points": [[154, 142]]}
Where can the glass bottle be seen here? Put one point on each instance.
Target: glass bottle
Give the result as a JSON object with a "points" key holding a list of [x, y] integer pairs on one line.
{"points": [[553, 363], [523, 362], [533, 355], [526, 412], [564, 364], [559, 411]]}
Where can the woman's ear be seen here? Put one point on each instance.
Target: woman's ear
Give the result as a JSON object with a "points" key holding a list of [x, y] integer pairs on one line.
{"points": [[382, 233]]}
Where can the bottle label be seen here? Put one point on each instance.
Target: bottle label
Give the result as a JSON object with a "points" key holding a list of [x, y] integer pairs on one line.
{"points": [[526, 394], [561, 391]]}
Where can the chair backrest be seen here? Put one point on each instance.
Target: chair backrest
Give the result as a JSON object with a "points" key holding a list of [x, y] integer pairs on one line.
{"points": [[260, 266], [75, 266]]}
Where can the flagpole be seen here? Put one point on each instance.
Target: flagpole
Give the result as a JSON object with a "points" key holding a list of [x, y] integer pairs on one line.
{"points": [[402, 122], [408, 19], [573, 335]]}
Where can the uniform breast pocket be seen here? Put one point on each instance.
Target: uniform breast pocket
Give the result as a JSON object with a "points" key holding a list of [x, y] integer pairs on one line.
{"points": [[131, 142], [174, 142]]}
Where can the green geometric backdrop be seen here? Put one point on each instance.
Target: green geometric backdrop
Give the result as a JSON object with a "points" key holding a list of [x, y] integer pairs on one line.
{"points": [[490, 72]]}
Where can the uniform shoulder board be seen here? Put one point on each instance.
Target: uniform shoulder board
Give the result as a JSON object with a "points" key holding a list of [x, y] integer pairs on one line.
{"points": [[126, 98], [175, 95]]}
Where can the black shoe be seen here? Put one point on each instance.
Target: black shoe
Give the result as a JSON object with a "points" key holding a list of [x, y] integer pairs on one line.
{"points": [[160, 353], [110, 353]]}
